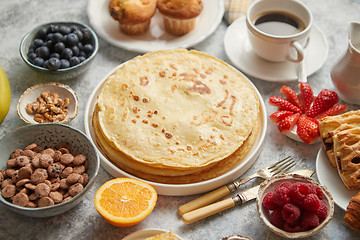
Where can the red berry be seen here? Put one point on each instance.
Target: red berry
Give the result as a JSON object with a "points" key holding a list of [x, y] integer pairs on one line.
{"points": [[281, 196], [291, 96], [286, 184], [299, 190], [279, 115], [268, 202], [325, 100], [308, 129], [309, 220], [312, 202], [283, 104], [322, 211], [289, 228], [307, 95], [276, 219], [288, 123], [290, 213], [335, 110]]}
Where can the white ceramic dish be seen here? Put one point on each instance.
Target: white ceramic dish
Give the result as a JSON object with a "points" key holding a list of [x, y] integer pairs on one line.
{"points": [[156, 38], [240, 53], [145, 233], [178, 189], [34, 92], [329, 177]]}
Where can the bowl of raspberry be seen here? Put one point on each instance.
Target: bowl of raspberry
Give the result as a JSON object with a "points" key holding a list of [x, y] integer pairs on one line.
{"points": [[294, 206], [59, 50]]}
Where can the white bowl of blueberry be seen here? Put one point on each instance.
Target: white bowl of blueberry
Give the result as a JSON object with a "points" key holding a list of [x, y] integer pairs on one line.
{"points": [[60, 49]]}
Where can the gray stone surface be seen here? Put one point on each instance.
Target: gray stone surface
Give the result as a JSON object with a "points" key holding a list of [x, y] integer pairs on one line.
{"points": [[17, 17]]}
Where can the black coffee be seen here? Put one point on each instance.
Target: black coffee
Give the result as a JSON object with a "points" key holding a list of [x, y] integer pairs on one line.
{"points": [[279, 24]]}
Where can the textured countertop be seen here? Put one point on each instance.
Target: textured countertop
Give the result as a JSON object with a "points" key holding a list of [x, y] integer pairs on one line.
{"points": [[17, 17]]}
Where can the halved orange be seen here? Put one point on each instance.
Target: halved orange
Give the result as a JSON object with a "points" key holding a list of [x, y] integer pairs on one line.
{"points": [[125, 202]]}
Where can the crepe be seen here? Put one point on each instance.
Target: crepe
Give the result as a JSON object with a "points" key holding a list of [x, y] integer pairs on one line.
{"points": [[330, 126], [213, 171], [174, 112], [347, 154]]}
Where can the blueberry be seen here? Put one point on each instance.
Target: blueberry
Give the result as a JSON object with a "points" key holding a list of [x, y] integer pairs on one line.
{"points": [[59, 47], [87, 37], [88, 49], [71, 40], [74, 61], [42, 32], [82, 54], [38, 61], [80, 46], [55, 55], [64, 63], [31, 57], [73, 28], [79, 34], [48, 37], [82, 58], [56, 37], [38, 42], [42, 52], [66, 53], [75, 50], [54, 64], [64, 30], [49, 44], [31, 50], [54, 28], [45, 64]]}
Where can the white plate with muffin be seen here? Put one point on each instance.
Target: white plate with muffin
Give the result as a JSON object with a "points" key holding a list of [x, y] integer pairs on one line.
{"points": [[145, 26]]}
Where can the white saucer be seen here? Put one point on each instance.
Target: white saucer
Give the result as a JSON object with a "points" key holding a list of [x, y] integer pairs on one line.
{"points": [[143, 234], [239, 52], [329, 177], [156, 38]]}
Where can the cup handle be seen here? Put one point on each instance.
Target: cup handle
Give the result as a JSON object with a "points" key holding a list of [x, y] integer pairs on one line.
{"points": [[300, 52]]}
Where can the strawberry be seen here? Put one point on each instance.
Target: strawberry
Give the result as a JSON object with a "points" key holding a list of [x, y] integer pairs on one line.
{"points": [[291, 96], [335, 110], [307, 95], [325, 100], [283, 104], [288, 123], [308, 129], [279, 115]]}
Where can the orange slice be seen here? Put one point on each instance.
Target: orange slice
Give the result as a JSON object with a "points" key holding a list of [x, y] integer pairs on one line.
{"points": [[125, 202]]}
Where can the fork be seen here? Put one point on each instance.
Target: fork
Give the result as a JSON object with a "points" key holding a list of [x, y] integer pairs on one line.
{"points": [[281, 166]]}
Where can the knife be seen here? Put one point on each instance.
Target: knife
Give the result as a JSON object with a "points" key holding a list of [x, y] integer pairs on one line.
{"points": [[240, 198]]}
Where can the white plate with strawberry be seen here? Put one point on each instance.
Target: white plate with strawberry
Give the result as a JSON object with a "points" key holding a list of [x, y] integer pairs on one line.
{"points": [[298, 115]]}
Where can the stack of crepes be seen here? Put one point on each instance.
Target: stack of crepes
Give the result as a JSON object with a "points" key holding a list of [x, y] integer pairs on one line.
{"points": [[341, 140], [176, 116]]}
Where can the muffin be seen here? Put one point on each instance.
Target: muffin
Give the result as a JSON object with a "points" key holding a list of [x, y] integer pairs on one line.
{"points": [[134, 16], [179, 15]]}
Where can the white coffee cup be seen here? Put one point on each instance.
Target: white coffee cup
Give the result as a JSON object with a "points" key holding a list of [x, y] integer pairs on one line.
{"points": [[278, 30]]}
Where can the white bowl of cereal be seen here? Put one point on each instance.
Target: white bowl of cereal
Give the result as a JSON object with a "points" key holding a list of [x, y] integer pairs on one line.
{"points": [[48, 102], [46, 169]]}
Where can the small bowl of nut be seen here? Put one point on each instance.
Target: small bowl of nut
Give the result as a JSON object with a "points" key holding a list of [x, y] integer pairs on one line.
{"points": [[48, 102], [294, 206], [59, 50], [46, 169]]}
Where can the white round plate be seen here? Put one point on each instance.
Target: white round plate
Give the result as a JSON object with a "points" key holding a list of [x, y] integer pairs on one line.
{"points": [[329, 177], [142, 234], [178, 189], [239, 52], [156, 38]]}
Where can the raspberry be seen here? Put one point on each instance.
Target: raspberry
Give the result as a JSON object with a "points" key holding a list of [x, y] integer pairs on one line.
{"points": [[281, 196], [268, 202], [322, 211], [309, 220], [316, 190], [299, 190], [289, 228], [312, 202], [286, 184], [290, 213], [276, 218], [319, 193]]}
